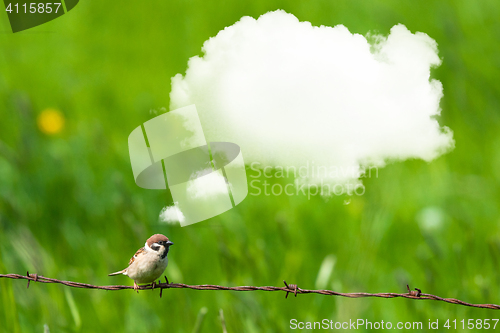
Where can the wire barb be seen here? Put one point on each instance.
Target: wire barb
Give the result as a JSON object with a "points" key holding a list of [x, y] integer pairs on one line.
{"points": [[291, 288], [417, 292], [288, 288]]}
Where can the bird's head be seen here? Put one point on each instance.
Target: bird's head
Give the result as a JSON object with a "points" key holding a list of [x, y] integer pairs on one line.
{"points": [[159, 243]]}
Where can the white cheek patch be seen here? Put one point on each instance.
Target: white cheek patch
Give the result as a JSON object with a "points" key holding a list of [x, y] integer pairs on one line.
{"points": [[155, 247], [146, 246]]}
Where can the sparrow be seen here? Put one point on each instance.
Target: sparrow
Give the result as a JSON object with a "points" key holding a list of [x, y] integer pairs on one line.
{"points": [[149, 262]]}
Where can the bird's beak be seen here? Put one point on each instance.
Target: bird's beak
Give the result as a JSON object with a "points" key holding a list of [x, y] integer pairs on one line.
{"points": [[170, 243]]}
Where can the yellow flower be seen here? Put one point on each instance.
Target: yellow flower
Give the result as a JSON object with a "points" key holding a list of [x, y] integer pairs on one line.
{"points": [[50, 121]]}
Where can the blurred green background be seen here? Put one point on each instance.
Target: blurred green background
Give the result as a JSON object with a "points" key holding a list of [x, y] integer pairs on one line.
{"points": [[69, 207]]}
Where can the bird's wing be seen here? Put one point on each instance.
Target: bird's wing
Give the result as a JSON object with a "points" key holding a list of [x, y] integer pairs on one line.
{"points": [[138, 253]]}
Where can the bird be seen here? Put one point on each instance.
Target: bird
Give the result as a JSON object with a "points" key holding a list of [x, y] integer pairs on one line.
{"points": [[149, 262]]}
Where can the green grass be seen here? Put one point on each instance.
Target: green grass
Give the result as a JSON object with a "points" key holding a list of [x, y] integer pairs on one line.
{"points": [[66, 199]]}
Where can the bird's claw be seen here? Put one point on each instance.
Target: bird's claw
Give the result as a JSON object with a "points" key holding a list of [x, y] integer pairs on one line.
{"points": [[136, 287]]}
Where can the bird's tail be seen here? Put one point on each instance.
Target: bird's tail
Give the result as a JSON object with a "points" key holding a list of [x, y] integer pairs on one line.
{"points": [[117, 273]]}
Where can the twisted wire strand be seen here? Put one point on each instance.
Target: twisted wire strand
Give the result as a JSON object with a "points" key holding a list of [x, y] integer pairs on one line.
{"points": [[288, 288]]}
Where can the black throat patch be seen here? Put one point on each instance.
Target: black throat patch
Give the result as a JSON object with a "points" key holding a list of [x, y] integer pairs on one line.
{"points": [[165, 253]]}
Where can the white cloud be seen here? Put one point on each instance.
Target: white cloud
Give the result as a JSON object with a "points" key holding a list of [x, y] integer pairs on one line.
{"points": [[288, 92], [207, 186], [171, 215]]}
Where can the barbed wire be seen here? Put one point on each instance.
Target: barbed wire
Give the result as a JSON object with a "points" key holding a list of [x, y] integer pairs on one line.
{"points": [[288, 288]]}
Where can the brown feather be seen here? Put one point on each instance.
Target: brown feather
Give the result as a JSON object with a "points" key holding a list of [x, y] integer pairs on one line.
{"points": [[141, 250]]}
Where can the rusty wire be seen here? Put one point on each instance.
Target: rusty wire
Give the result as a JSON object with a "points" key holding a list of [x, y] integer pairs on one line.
{"points": [[288, 288]]}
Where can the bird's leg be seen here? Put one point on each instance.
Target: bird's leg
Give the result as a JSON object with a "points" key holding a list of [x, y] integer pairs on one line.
{"points": [[153, 285], [136, 287]]}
